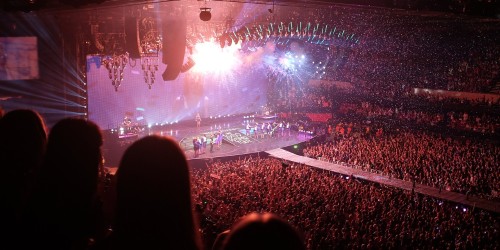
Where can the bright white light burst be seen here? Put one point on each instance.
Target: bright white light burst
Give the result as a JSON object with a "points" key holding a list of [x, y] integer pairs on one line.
{"points": [[211, 58]]}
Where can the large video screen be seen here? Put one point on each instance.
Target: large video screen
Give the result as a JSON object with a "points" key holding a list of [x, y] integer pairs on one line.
{"points": [[18, 58], [208, 89]]}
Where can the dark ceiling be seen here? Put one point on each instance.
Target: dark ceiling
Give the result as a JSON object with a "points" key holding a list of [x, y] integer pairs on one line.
{"points": [[488, 8]]}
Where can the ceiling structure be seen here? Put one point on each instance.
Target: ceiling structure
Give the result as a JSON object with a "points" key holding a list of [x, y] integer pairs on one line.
{"points": [[489, 8], [62, 5], [108, 16], [103, 21], [97, 27]]}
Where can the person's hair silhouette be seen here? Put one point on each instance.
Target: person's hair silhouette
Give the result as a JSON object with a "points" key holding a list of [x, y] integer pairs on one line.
{"points": [[65, 211], [23, 139], [264, 232], [154, 207]]}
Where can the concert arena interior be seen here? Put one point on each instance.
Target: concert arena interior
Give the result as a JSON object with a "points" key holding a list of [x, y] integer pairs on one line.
{"points": [[362, 124]]}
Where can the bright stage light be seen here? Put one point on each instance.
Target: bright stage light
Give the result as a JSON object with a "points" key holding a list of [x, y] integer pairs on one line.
{"points": [[210, 57], [286, 63]]}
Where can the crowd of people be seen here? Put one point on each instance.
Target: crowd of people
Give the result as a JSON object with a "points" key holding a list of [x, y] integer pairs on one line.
{"points": [[401, 53], [58, 196], [426, 137], [390, 66], [474, 121], [423, 111], [335, 211], [457, 164]]}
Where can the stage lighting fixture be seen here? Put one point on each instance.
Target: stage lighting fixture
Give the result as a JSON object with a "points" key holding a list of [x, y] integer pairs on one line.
{"points": [[205, 14]]}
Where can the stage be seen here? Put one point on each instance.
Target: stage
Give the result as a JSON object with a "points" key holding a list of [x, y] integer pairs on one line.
{"points": [[237, 140]]}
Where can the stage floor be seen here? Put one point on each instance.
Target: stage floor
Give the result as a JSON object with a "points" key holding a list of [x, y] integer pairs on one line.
{"points": [[236, 140]]}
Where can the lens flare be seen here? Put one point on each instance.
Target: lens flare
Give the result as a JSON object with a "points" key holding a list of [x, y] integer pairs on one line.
{"points": [[211, 58]]}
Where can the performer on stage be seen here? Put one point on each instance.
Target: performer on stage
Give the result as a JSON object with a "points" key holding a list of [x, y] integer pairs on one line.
{"points": [[263, 130], [211, 141], [269, 129], [196, 147], [281, 128], [247, 129], [198, 120], [219, 139], [255, 130], [203, 144]]}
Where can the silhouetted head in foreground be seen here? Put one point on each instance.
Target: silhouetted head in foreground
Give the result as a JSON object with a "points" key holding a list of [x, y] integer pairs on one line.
{"points": [[219, 240], [154, 207], [65, 209], [264, 232], [73, 157], [23, 139]]}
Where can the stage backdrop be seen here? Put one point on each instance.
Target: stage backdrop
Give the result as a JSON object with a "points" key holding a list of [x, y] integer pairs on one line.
{"points": [[237, 92]]}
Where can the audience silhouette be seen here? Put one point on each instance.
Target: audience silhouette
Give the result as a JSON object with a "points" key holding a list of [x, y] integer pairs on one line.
{"points": [[154, 209], [22, 143], [52, 198], [219, 240], [65, 210], [264, 232]]}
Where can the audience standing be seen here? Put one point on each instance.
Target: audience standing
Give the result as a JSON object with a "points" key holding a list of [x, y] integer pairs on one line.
{"points": [[335, 211], [457, 164]]}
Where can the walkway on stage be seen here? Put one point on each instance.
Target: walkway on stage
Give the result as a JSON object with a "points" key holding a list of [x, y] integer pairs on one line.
{"points": [[382, 179], [236, 139]]}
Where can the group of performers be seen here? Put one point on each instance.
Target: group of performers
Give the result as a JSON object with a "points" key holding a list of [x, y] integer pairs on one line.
{"points": [[200, 143], [129, 127], [267, 129], [257, 130]]}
